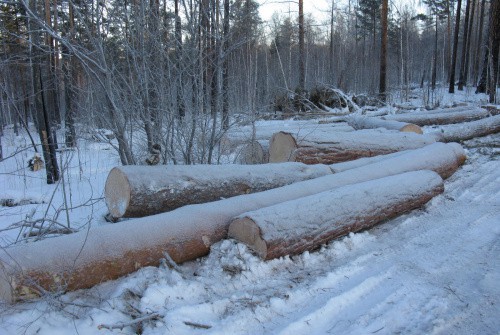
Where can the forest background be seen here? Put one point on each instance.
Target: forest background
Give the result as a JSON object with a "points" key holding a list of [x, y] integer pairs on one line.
{"points": [[175, 75]]}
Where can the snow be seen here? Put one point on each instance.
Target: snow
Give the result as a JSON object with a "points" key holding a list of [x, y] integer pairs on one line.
{"points": [[432, 271]]}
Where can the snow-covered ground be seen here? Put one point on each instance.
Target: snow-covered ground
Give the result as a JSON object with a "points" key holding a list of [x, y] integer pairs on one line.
{"points": [[435, 270]]}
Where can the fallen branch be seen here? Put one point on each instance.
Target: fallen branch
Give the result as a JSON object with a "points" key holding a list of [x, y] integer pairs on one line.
{"points": [[197, 325], [122, 325]]}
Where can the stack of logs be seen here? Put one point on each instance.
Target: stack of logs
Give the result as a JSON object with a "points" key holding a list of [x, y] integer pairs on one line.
{"points": [[374, 136], [364, 178]]}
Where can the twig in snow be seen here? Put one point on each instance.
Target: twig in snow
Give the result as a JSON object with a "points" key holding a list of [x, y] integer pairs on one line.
{"points": [[122, 325], [197, 325], [171, 263], [454, 293], [376, 331]]}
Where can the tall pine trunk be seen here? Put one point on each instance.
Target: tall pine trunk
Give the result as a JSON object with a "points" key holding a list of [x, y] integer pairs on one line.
{"points": [[225, 68], [479, 43], [383, 51], [464, 47], [302, 70], [455, 49], [494, 48]]}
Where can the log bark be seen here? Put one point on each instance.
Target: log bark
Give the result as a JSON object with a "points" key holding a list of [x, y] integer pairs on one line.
{"points": [[340, 147], [363, 122], [468, 130], [344, 166], [234, 138], [304, 224], [137, 191], [87, 258], [428, 119]]}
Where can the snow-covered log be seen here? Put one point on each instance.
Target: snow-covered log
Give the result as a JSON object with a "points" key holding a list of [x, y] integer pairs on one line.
{"points": [[468, 130], [102, 253], [427, 119], [255, 152], [237, 137], [364, 122], [137, 191], [340, 147], [416, 157], [343, 166], [304, 224]]}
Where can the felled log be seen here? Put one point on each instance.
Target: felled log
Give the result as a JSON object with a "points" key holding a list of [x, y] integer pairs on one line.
{"points": [[304, 224], [344, 166], [427, 119], [237, 137], [363, 122], [255, 152], [87, 258], [137, 191], [468, 130], [340, 147]]}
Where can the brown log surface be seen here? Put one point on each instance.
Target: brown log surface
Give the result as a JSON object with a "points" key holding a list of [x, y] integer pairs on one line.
{"points": [[304, 224], [341, 147]]}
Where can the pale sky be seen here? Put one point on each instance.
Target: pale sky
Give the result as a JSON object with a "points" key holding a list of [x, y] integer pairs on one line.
{"points": [[319, 8]]}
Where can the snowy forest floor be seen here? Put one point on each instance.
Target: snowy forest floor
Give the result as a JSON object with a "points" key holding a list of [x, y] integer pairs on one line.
{"points": [[432, 271]]}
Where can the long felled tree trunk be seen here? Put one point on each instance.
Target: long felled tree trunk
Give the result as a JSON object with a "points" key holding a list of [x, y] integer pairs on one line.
{"points": [[306, 223], [341, 147]]}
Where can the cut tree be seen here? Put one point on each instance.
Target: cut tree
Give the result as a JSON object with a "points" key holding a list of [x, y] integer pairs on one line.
{"points": [[304, 224], [340, 147]]}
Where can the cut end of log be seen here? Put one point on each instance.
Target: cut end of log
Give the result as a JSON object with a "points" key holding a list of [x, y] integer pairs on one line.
{"points": [[459, 152], [281, 147], [412, 128], [117, 193], [247, 231], [251, 153], [5, 287]]}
